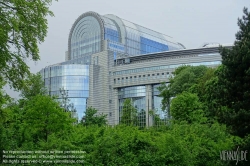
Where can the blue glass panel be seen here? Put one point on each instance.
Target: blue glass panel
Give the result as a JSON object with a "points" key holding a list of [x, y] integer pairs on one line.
{"points": [[150, 46], [111, 34]]}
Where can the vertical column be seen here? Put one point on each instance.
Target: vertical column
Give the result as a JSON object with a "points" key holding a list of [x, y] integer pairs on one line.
{"points": [[116, 108], [91, 86], [148, 105]]}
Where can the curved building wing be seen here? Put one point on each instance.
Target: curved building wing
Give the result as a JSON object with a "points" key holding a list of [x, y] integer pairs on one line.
{"points": [[91, 30], [74, 79]]}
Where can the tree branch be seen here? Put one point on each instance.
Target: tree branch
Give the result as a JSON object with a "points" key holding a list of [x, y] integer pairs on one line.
{"points": [[8, 6]]}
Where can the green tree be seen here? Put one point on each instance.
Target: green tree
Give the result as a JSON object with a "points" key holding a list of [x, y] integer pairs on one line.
{"points": [[180, 144], [129, 113], [23, 25], [234, 80], [184, 78], [187, 107], [157, 121], [66, 104], [42, 117], [91, 118], [34, 85], [4, 118]]}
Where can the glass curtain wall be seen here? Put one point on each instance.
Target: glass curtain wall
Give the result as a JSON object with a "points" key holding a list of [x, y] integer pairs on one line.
{"points": [[86, 38], [160, 116], [111, 31], [74, 79], [141, 40], [137, 95]]}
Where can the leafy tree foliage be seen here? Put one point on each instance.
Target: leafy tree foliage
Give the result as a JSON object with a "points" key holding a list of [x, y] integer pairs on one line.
{"points": [[66, 104], [193, 144], [187, 107], [91, 118], [184, 78], [44, 116], [33, 86], [129, 113], [157, 121], [234, 79], [23, 25]]}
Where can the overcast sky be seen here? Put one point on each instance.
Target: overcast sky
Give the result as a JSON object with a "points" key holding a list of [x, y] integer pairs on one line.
{"points": [[190, 22]]}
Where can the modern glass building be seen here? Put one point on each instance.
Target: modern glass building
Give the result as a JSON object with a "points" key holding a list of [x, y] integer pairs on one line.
{"points": [[74, 79], [110, 59], [90, 31]]}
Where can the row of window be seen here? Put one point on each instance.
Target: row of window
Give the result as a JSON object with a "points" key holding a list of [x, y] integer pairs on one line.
{"points": [[111, 32], [86, 41], [164, 67], [86, 50], [147, 44], [143, 77]]}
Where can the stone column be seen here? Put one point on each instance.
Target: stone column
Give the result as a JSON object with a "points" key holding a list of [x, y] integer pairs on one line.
{"points": [[116, 108], [149, 92]]}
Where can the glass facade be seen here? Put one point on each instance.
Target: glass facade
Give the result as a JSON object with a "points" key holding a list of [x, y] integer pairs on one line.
{"points": [[74, 79], [111, 30], [86, 38], [137, 94], [88, 33], [141, 40], [157, 106]]}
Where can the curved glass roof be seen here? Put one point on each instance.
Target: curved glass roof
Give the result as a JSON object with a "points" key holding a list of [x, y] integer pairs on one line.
{"points": [[138, 30], [85, 39], [91, 29]]}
